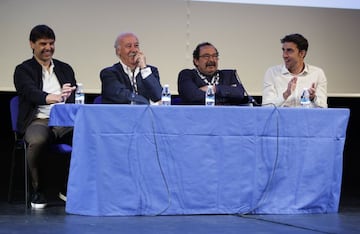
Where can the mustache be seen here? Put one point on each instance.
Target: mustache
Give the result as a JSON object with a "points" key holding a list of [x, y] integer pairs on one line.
{"points": [[132, 54], [210, 64]]}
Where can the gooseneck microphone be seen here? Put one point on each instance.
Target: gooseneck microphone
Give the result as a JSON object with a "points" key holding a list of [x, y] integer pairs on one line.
{"points": [[251, 100]]}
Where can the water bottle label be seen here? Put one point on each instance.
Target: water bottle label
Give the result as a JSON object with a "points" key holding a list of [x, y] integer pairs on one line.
{"points": [[210, 96], [166, 100], [305, 98], [79, 99], [210, 101]]}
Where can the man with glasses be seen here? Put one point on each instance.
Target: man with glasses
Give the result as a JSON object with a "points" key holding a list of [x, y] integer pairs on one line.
{"points": [[193, 83]]}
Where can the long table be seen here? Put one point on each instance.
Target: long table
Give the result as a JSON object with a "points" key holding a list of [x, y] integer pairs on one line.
{"points": [[174, 160]]}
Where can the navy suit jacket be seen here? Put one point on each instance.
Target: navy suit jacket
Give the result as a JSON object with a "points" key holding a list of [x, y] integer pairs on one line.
{"points": [[229, 91], [116, 86], [29, 84]]}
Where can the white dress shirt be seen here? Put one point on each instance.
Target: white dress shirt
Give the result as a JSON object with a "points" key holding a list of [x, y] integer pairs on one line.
{"points": [[276, 81], [50, 85]]}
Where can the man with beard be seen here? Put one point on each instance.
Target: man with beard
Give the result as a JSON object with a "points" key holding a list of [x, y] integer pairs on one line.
{"points": [[193, 83], [130, 81], [41, 82], [285, 84]]}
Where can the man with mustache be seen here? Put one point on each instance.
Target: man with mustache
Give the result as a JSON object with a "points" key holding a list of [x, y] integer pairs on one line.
{"points": [[41, 82], [132, 80], [284, 84], [193, 83]]}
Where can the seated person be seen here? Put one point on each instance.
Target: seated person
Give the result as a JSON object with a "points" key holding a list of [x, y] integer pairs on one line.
{"points": [[193, 83], [284, 84], [41, 82], [131, 80]]}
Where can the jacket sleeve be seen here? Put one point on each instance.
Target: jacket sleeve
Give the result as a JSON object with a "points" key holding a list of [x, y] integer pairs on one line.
{"points": [[26, 81], [152, 85], [65, 74], [230, 90], [113, 87], [188, 88]]}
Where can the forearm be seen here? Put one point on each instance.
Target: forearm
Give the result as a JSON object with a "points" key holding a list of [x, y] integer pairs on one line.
{"points": [[228, 91]]}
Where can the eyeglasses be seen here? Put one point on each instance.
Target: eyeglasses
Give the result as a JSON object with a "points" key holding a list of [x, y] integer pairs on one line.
{"points": [[208, 56]]}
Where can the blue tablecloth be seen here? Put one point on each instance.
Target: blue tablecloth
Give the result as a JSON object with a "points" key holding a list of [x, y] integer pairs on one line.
{"points": [[170, 160]]}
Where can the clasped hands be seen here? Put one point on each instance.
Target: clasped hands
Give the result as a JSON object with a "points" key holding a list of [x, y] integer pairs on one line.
{"points": [[66, 91], [292, 86]]}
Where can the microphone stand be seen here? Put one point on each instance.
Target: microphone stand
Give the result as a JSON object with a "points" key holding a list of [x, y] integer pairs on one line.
{"points": [[251, 101]]}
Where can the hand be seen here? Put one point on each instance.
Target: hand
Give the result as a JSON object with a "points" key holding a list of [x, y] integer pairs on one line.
{"points": [[291, 87], [205, 88], [312, 91], [140, 59], [54, 98], [66, 91]]}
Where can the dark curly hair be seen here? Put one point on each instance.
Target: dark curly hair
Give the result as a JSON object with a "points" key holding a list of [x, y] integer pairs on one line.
{"points": [[298, 39]]}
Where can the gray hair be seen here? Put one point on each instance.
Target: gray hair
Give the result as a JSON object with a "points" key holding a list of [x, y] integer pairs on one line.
{"points": [[121, 36]]}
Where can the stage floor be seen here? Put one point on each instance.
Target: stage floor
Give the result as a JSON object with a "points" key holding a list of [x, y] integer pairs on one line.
{"points": [[14, 218]]}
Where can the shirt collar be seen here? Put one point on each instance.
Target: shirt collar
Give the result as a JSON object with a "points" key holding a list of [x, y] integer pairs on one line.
{"points": [[285, 71], [51, 68], [127, 69]]}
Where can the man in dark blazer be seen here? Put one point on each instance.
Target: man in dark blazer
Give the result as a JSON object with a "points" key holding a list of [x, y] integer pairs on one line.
{"points": [[193, 83], [131, 80], [41, 82]]}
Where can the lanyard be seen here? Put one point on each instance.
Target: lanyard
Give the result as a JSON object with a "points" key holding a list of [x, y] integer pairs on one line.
{"points": [[132, 78], [214, 79], [133, 82]]}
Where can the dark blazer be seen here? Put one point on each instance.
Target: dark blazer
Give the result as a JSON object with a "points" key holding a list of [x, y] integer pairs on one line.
{"points": [[28, 83], [116, 86], [229, 91]]}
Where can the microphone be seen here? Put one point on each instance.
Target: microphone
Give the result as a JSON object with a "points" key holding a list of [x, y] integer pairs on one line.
{"points": [[251, 99]]}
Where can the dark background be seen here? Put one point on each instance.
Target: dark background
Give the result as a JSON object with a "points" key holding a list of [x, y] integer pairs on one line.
{"points": [[351, 172]]}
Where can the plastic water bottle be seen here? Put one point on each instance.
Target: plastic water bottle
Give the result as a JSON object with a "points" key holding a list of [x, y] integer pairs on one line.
{"points": [[132, 101], [166, 96], [210, 96], [305, 98], [79, 95]]}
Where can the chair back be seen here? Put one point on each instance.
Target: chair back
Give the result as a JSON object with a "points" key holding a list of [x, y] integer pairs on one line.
{"points": [[14, 112], [98, 100]]}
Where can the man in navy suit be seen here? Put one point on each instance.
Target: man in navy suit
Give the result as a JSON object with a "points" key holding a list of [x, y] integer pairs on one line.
{"points": [[131, 80], [193, 83]]}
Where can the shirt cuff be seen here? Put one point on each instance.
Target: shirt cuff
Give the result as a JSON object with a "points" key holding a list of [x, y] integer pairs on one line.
{"points": [[145, 72]]}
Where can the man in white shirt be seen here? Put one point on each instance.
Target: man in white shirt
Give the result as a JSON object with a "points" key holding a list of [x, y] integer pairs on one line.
{"points": [[284, 84]]}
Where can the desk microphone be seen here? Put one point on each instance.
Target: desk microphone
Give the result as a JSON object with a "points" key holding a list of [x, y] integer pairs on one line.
{"points": [[251, 100]]}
